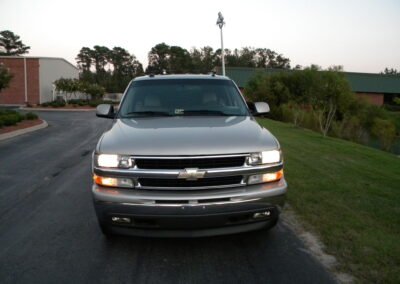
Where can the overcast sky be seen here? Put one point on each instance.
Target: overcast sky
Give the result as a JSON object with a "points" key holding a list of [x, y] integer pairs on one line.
{"points": [[362, 36]]}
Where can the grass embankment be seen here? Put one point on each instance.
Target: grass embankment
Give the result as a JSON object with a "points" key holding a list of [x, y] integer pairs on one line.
{"points": [[350, 195]]}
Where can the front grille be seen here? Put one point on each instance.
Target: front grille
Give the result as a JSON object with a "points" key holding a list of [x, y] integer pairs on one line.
{"points": [[206, 182], [200, 163]]}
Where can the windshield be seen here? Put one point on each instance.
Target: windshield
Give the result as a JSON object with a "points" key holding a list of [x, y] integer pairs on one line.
{"points": [[179, 97]]}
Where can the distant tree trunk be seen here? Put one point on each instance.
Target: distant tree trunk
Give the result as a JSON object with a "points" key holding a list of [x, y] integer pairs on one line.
{"points": [[325, 117]]}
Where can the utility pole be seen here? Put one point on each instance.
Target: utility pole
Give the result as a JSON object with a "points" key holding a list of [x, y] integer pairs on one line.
{"points": [[221, 23]]}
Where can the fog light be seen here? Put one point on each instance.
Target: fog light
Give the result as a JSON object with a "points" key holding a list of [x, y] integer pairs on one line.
{"points": [[123, 220], [113, 182], [268, 177], [264, 214]]}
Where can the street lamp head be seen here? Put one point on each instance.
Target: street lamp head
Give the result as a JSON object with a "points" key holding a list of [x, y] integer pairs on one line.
{"points": [[220, 20]]}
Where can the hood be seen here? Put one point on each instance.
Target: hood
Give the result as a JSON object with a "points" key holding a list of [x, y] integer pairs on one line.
{"points": [[186, 136]]}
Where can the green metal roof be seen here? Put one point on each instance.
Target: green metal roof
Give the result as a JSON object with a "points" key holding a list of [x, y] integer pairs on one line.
{"points": [[359, 82], [374, 83]]}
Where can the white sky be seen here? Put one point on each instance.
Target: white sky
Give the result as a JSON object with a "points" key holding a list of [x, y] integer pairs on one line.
{"points": [[362, 36]]}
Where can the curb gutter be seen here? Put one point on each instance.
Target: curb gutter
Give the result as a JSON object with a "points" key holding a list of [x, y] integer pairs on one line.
{"points": [[23, 131]]}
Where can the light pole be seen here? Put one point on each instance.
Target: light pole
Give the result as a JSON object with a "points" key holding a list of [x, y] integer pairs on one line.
{"points": [[221, 23]]}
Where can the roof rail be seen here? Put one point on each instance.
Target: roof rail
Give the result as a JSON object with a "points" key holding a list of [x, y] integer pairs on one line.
{"points": [[151, 75]]}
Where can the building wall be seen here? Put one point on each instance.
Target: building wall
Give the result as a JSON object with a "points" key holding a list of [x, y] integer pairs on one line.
{"points": [[52, 69], [15, 93], [373, 98]]}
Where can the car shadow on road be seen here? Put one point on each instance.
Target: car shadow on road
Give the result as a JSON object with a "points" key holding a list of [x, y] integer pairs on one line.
{"points": [[263, 256]]}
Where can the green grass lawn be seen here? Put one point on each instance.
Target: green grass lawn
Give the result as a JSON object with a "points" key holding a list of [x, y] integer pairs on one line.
{"points": [[349, 194]]}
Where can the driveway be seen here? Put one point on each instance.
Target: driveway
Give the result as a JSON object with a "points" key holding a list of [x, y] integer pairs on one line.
{"points": [[49, 232]]}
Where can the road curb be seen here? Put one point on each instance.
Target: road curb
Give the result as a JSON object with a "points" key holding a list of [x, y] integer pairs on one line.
{"points": [[314, 245], [54, 109], [23, 131]]}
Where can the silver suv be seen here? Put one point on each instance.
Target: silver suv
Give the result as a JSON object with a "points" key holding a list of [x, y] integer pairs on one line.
{"points": [[186, 157]]}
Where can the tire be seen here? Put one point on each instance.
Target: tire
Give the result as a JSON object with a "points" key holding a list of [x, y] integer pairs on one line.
{"points": [[107, 232], [272, 224]]}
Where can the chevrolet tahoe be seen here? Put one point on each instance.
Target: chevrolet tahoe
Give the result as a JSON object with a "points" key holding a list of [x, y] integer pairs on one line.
{"points": [[185, 157]]}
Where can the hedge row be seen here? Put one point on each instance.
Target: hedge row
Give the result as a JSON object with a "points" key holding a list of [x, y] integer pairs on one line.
{"points": [[76, 102], [12, 117]]}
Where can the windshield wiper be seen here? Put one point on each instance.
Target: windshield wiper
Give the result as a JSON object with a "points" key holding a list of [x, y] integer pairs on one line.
{"points": [[205, 112], [147, 113]]}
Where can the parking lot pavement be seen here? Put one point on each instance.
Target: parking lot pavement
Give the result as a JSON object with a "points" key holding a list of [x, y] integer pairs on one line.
{"points": [[49, 232]]}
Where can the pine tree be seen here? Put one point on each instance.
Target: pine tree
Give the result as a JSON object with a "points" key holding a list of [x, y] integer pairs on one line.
{"points": [[10, 44]]}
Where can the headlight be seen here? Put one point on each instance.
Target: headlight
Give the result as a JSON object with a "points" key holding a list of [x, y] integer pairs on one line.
{"points": [[265, 157], [114, 161]]}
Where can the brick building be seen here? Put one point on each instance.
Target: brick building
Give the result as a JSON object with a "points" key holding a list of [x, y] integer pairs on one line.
{"points": [[375, 88], [33, 78]]}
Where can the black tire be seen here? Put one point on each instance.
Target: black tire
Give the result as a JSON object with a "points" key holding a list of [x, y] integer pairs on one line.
{"points": [[272, 224], [107, 232]]}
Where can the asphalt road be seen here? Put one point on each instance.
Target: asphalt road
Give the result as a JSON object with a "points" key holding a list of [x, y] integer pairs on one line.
{"points": [[49, 232]]}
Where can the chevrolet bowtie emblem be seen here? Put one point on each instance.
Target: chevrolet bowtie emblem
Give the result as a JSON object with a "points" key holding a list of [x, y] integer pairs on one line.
{"points": [[191, 174]]}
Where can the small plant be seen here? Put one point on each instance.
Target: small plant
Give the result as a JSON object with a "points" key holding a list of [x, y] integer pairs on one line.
{"points": [[31, 116], [385, 131], [10, 119], [7, 111]]}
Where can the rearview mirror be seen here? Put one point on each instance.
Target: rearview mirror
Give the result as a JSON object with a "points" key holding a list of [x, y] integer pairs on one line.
{"points": [[105, 110], [260, 108]]}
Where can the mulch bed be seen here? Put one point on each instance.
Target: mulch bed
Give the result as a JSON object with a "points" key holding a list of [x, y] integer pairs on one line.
{"points": [[65, 107], [20, 125]]}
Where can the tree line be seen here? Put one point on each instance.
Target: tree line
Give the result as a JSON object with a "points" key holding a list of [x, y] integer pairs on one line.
{"points": [[322, 100], [111, 68], [114, 68], [175, 59]]}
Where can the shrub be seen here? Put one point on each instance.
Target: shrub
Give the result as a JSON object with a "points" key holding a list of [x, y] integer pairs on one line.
{"points": [[31, 116], [20, 116], [7, 111], [73, 101], [287, 113], [76, 102], [310, 121], [55, 104], [10, 119], [350, 128], [392, 107], [1, 123], [95, 103], [385, 131]]}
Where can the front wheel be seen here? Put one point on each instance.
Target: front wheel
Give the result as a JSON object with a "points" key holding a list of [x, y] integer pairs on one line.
{"points": [[107, 232]]}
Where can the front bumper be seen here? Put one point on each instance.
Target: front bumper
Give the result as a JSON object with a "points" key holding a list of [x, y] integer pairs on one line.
{"points": [[189, 213]]}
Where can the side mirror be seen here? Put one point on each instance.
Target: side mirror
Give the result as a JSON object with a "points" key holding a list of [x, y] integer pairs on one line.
{"points": [[105, 110], [260, 108]]}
